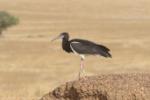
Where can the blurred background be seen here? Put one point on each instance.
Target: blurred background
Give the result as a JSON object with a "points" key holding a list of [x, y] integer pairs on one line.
{"points": [[30, 65]]}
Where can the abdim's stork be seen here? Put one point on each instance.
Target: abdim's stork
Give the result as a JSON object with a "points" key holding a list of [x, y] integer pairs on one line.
{"points": [[82, 48]]}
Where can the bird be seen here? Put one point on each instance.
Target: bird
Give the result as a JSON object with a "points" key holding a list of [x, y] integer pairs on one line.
{"points": [[82, 48]]}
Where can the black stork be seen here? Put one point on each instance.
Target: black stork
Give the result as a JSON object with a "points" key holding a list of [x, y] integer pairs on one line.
{"points": [[82, 48]]}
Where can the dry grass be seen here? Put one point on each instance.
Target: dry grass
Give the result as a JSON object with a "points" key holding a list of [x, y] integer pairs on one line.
{"points": [[30, 66]]}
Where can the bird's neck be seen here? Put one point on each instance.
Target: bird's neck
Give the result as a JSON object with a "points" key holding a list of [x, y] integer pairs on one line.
{"points": [[66, 45], [65, 41]]}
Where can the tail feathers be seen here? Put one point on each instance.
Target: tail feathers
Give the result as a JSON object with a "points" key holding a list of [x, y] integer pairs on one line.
{"points": [[109, 55], [104, 51], [105, 54], [104, 48]]}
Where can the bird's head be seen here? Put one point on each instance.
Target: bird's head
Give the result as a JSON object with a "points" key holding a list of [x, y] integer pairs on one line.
{"points": [[63, 35]]}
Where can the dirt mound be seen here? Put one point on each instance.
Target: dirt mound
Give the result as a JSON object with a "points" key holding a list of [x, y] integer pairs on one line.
{"points": [[104, 87]]}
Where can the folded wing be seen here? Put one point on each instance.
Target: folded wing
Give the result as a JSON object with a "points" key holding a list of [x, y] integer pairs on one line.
{"points": [[88, 47]]}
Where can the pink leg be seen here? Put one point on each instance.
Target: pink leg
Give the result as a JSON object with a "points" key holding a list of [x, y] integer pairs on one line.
{"points": [[81, 67]]}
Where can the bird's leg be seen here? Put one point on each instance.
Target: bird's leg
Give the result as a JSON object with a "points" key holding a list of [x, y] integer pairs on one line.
{"points": [[81, 67]]}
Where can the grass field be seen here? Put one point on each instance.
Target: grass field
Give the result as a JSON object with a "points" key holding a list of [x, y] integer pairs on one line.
{"points": [[31, 66]]}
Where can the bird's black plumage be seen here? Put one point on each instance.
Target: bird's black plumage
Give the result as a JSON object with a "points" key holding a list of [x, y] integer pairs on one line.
{"points": [[84, 47]]}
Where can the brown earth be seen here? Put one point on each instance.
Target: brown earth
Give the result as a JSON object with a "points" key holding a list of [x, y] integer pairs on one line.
{"points": [[104, 87]]}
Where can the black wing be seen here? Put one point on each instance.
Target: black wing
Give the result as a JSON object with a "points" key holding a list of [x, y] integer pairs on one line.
{"points": [[88, 47]]}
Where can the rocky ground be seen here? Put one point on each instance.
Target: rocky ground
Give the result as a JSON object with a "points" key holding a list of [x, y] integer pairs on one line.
{"points": [[104, 87]]}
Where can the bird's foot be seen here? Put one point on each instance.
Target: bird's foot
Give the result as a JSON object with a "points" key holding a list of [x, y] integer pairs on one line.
{"points": [[82, 77]]}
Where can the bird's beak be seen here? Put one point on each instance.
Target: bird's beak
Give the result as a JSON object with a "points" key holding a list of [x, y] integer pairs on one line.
{"points": [[58, 37]]}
